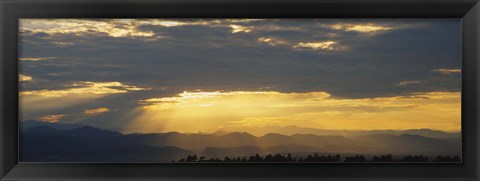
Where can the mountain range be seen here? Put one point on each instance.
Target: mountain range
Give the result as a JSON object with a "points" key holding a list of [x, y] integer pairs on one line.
{"points": [[55, 142]]}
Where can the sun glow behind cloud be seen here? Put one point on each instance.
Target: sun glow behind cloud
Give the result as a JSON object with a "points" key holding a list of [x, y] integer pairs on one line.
{"points": [[362, 28], [240, 29], [91, 112], [85, 88], [272, 41], [42, 101], [79, 27], [34, 59], [408, 82], [24, 78], [52, 118], [323, 45], [239, 110], [122, 28], [448, 71]]}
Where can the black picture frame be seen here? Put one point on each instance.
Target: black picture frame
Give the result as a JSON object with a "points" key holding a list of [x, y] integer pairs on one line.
{"points": [[12, 10]]}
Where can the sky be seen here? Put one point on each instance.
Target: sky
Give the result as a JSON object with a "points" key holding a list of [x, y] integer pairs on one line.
{"points": [[205, 75]]}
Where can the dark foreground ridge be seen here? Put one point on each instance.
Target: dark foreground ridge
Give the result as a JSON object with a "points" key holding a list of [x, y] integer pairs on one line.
{"points": [[322, 158]]}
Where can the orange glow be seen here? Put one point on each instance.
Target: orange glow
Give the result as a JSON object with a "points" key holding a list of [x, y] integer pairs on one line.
{"points": [[240, 29], [52, 118], [85, 88], [241, 110], [96, 111], [324, 45], [24, 78], [78, 93], [363, 28], [448, 71]]}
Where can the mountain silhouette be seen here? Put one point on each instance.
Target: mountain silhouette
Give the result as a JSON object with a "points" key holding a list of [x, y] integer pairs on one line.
{"points": [[88, 144], [240, 139], [294, 148], [273, 139], [45, 142], [89, 132], [42, 130], [27, 124], [290, 130], [409, 144]]}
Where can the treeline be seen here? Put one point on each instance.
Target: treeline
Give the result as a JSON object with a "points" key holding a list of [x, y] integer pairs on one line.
{"points": [[321, 158]]}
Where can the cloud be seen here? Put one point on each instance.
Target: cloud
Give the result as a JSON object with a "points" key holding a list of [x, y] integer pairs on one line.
{"points": [[52, 118], [34, 59], [194, 22], [24, 78], [323, 45], [362, 28], [238, 20], [408, 82], [78, 96], [320, 110], [448, 71], [186, 98], [240, 29], [214, 23], [167, 23], [59, 43], [116, 28], [236, 25], [120, 28], [85, 88], [91, 112], [272, 41], [273, 28]]}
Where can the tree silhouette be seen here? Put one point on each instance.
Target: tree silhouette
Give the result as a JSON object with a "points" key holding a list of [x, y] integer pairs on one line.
{"points": [[191, 158], [416, 158], [320, 158], [356, 158], [440, 158], [289, 158], [227, 159], [383, 158], [317, 158]]}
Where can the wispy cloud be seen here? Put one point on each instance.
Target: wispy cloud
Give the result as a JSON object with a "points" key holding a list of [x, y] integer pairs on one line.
{"points": [[91, 112], [62, 44], [24, 78], [197, 22], [408, 82], [169, 23], [54, 118], [322, 45], [448, 71], [85, 88], [113, 28], [120, 28], [272, 41], [218, 23], [362, 28], [34, 59], [240, 29]]}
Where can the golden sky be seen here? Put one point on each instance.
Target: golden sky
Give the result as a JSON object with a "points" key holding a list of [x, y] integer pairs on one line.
{"points": [[204, 75], [238, 110]]}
